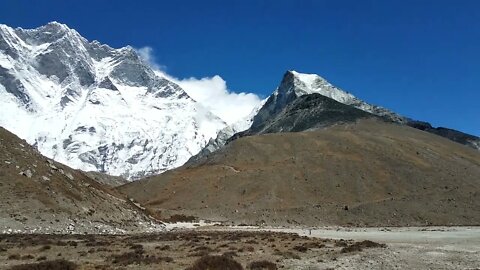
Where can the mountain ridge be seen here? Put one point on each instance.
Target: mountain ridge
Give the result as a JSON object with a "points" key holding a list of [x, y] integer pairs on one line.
{"points": [[96, 108], [295, 85]]}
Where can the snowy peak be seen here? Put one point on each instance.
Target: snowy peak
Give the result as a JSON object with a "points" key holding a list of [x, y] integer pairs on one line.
{"points": [[308, 81], [304, 84], [295, 85], [94, 107]]}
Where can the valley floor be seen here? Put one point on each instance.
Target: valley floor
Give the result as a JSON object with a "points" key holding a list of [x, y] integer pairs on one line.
{"points": [[284, 248], [407, 247]]}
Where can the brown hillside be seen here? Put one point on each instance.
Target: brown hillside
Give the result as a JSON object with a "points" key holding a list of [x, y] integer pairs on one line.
{"points": [[368, 173], [40, 195]]}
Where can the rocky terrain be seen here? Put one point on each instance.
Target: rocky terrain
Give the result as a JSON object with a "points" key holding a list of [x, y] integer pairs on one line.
{"points": [[40, 195], [365, 173]]}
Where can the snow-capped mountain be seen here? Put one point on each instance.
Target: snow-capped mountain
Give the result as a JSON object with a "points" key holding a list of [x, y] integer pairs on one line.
{"points": [[295, 85], [94, 107], [275, 110]]}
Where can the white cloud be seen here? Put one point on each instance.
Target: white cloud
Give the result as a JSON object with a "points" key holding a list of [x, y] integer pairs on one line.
{"points": [[211, 92], [215, 96], [146, 53]]}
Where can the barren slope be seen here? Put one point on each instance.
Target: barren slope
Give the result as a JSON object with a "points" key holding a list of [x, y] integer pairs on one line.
{"points": [[40, 195], [383, 173]]}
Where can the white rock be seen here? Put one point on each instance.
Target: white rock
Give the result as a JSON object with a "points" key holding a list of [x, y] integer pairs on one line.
{"points": [[28, 173]]}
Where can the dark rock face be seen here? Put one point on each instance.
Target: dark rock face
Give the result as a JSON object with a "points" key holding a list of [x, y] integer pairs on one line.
{"points": [[285, 94], [311, 111], [13, 86], [451, 134], [132, 71], [108, 84], [48, 64]]}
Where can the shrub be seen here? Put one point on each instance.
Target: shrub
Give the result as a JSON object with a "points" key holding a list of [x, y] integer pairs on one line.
{"points": [[259, 265], [137, 258], [46, 247], [286, 254], [230, 254], [179, 218], [14, 257], [163, 248], [48, 265], [359, 246], [216, 263], [27, 257], [300, 248]]}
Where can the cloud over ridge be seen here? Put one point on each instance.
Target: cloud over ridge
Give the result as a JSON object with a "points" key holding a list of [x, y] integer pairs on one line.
{"points": [[211, 92]]}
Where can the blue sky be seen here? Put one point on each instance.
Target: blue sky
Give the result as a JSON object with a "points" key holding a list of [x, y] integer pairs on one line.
{"points": [[419, 58]]}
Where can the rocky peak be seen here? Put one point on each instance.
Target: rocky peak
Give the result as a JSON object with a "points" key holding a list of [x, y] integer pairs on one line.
{"points": [[53, 28]]}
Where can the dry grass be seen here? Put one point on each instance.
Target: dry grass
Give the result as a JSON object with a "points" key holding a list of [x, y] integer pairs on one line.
{"points": [[359, 246], [173, 250], [179, 218], [216, 263], [48, 265], [260, 265]]}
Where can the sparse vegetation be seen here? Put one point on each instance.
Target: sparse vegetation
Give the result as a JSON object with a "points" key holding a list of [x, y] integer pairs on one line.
{"points": [[27, 257], [175, 250], [14, 257], [287, 254], [48, 265], [301, 248], [137, 257], [46, 247], [260, 265], [359, 246], [163, 248], [179, 218], [216, 263]]}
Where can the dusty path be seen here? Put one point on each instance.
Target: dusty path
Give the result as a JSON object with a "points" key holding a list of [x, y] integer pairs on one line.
{"points": [[467, 237], [408, 248]]}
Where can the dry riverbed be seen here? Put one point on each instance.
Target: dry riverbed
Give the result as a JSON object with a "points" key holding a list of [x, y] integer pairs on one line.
{"points": [[250, 248], [407, 247]]}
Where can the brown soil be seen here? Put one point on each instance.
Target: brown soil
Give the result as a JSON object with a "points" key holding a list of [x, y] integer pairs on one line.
{"points": [[369, 173], [41, 195]]}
